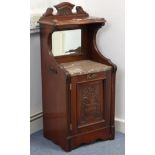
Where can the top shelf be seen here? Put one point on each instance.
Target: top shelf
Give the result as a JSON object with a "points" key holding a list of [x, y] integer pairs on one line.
{"points": [[73, 21], [66, 16]]}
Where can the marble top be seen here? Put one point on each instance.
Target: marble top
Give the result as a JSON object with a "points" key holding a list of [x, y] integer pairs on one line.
{"points": [[84, 67]]}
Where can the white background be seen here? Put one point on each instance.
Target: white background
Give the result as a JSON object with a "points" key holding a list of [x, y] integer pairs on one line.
{"points": [[15, 81]]}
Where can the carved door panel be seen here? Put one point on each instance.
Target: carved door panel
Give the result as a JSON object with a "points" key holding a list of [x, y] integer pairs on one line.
{"points": [[90, 104]]}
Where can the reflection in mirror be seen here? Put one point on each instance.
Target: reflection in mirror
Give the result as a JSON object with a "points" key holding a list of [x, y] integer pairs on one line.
{"points": [[66, 42]]}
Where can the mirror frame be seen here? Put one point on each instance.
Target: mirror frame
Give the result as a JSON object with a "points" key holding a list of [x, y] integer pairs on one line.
{"points": [[78, 49]]}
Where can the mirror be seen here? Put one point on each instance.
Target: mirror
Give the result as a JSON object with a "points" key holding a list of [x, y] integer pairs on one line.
{"points": [[66, 42]]}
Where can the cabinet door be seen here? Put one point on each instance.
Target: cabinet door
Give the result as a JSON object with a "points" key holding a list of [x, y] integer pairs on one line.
{"points": [[90, 103]]}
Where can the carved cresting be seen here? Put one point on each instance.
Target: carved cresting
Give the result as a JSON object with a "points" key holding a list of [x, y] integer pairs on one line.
{"points": [[90, 103], [65, 9]]}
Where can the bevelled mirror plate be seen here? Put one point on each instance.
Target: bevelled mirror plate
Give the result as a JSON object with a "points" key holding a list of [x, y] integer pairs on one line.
{"points": [[66, 42]]}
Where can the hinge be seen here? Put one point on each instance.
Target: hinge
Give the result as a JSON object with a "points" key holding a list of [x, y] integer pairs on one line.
{"points": [[70, 86], [70, 126]]}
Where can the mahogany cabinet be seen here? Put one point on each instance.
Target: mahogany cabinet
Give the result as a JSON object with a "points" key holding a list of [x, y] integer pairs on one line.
{"points": [[78, 87]]}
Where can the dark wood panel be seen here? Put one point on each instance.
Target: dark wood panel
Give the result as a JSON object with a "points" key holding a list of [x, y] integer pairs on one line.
{"points": [[89, 103], [83, 94], [89, 137]]}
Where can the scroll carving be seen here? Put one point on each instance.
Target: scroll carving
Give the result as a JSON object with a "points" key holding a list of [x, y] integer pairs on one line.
{"points": [[80, 10], [65, 10], [48, 12]]}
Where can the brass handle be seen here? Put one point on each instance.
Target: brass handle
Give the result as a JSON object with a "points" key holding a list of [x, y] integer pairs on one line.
{"points": [[91, 76]]}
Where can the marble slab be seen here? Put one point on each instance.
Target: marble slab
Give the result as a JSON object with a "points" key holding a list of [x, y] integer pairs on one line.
{"points": [[84, 67]]}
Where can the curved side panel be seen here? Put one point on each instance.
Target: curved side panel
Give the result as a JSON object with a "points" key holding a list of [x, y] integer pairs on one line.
{"points": [[55, 85], [96, 55]]}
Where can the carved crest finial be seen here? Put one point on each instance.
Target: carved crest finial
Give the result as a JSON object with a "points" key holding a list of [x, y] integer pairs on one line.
{"points": [[65, 10], [48, 12], [80, 10]]}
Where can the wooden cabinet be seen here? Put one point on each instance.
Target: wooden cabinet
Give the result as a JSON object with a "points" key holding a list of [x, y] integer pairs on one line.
{"points": [[78, 88], [89, 104]]}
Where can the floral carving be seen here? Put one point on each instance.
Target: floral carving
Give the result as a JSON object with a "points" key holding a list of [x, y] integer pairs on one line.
{"points": [[90, 104]]}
